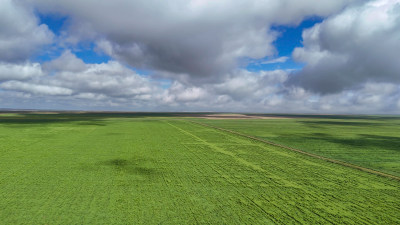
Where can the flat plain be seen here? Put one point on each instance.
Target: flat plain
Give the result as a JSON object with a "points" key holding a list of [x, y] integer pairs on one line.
{"points": [[368, 141], [163, 169]]}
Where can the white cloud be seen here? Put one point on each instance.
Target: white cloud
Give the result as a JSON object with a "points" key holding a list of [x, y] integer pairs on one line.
{"points": [[358, 45], [11, 71], [351, 57], [66, 62], [37, 89], [113, 86], [20, 33], [196, 38], [281, 59], [68, 75], [111, 79]]}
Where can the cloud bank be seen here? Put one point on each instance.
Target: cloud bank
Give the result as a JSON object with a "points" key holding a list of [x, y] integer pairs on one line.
{"points": [[20, 32], [194, 52], [197, 38], [359, 45]]}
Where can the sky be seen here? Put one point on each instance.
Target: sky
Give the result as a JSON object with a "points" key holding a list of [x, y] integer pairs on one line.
{"points": [[262, 56]]}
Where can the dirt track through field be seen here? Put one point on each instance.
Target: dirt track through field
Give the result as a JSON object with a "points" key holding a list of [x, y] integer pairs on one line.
{"points": [[303, 152], [237, 117]]}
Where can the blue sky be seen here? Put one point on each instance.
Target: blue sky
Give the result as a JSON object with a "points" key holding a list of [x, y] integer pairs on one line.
{"points": [[289, 38], [85, 50]]}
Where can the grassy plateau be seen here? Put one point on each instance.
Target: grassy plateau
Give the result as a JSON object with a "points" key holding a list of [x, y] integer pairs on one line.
{"points": [[162, 169]]}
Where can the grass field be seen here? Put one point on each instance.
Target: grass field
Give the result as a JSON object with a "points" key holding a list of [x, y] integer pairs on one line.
{"points": [[146, 169], [369, 141]]}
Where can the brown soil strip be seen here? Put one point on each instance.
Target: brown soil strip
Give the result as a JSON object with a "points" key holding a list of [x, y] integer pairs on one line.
{"points": [[236, 116], [304, 153]]}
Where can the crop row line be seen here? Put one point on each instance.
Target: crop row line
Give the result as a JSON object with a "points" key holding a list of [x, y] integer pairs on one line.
{"points": [[224, 176], [302, 152]]}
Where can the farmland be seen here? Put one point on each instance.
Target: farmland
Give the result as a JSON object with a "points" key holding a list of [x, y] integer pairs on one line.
{"points": [[160, 168], [369, 141]]}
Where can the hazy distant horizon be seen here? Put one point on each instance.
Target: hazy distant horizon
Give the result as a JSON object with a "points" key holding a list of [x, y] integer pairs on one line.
{"points": [[7, 110]]}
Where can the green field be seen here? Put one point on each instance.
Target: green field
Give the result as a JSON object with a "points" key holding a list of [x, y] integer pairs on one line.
{"points": [[369, 141], [161, 169]]}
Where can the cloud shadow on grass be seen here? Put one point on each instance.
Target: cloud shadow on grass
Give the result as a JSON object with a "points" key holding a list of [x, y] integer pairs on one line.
{"points": [[135, 167], [81, 118], [366, 141]]}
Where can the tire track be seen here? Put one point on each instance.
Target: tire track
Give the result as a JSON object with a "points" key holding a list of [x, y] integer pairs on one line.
{"points": [[225, 176], [303, 152]]}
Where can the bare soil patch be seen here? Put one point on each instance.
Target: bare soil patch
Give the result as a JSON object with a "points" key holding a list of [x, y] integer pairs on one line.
{"points": [[237, 116]]}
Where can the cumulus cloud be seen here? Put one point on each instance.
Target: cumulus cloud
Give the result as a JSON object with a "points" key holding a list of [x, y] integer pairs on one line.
{"points": [[68, 75], [192, 50], [110, 79], [370, 97], [242, 84], [240, 90], [37, 89], [20, 32], [358, 45], [265, 91], [66, 62], [195, 38], [181, 93], [281, 59], [23, 71], [114, 86]]}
